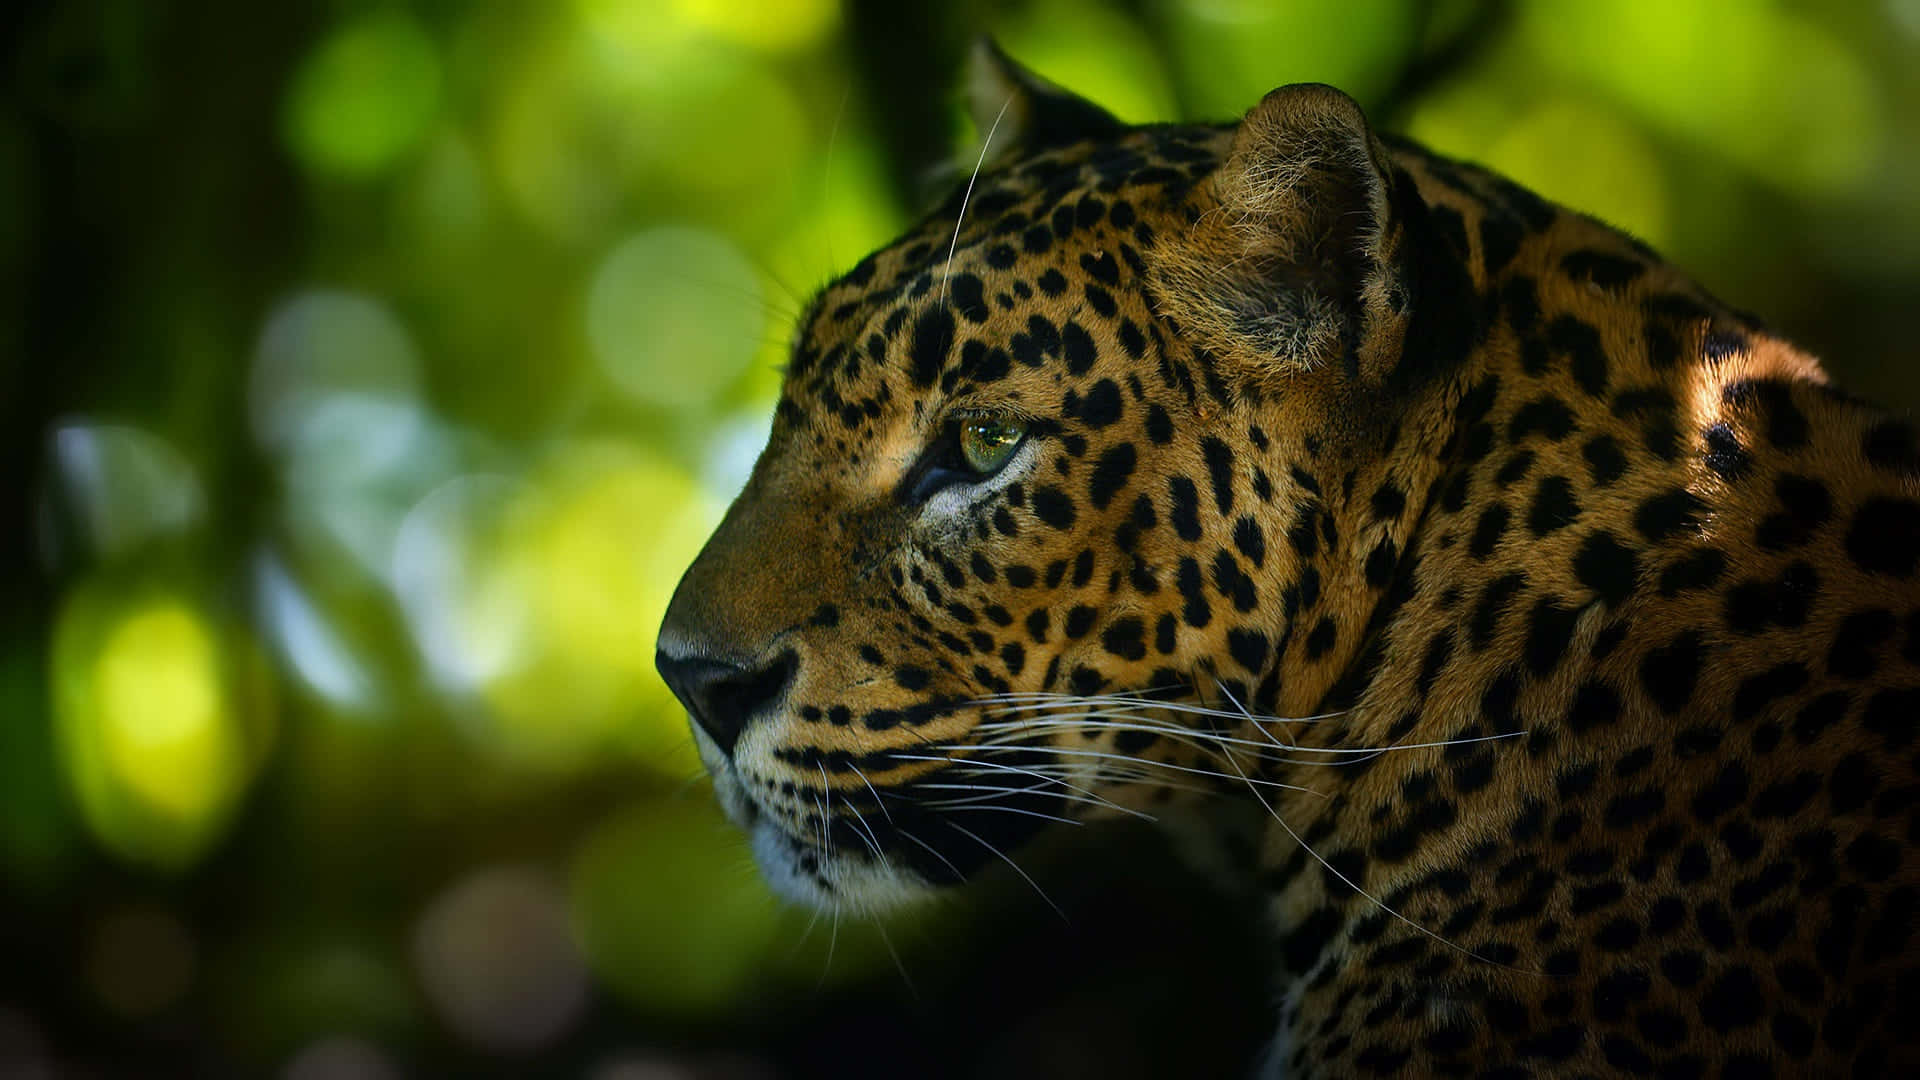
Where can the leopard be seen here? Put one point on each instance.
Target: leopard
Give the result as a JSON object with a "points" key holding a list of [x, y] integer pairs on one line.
{"points": [[1558, 623]]}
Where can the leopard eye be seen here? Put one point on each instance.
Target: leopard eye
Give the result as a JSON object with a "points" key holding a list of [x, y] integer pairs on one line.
{"points": [[986, 444]]}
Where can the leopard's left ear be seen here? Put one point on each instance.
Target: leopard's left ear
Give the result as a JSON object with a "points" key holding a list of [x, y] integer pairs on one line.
{"points": [[1024, 111], [1297, 258]]}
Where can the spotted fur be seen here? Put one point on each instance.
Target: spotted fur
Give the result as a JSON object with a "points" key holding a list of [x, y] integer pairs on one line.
{"points": [[1607, 604]]}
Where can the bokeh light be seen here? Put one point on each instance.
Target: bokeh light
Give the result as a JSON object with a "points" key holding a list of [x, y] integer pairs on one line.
{"points": [[365, 96], [122, 487], [497, 960], [688, 941], [585, 564], [342, 1057], [1234, 51], [674, 316], [162, 719]]}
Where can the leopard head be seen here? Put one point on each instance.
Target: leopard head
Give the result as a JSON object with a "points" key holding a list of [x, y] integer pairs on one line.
{"points": [[1066, 487]]}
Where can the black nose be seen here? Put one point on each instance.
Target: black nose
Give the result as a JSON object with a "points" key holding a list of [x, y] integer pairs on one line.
{"points": [[723, 696]]}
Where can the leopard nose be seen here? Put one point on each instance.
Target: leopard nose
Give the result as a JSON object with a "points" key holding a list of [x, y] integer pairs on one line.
{"points": [[723, 696]]}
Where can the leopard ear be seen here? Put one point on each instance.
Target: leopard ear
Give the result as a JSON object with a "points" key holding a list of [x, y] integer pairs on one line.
{"points": [[1293, 263], [1023, 111]]}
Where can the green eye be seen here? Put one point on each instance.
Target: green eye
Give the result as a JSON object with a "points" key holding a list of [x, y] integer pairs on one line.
{"points": [[986, 444]]}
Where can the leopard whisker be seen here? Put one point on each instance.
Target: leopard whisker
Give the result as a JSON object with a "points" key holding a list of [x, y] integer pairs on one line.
{"points": [[1056, 700], [1346, 880], [985, 145], [1103, 721], [934, 851], [1004, 857], [985, 793], [1014, 810], [1012, 768], [1077, 752]]}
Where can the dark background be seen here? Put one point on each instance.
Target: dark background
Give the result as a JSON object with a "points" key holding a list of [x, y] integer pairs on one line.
{"points": [[372, 370]]}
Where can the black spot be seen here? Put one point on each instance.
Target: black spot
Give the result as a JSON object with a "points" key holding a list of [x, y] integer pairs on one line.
{"points": [[1625, 811], [1603, 269], [1722, 794], [1856, 644], [1250, 540], [1488, 531], [1724, 453], [1493, 604], [1380, 563], [1053, 506], [1787, 427], [1085, 681], [1102, 268], [932, 341], [1595, 705], [1078, 348], [1163, 634], [1248, 648], [1515, 469], [969, 297], [1668, 673], [1220, 470], [1185, 509], [1720, 345], [1671, 511], [1193, 589], [1894, 715], [1159, 425], [1605, 461], [1607, 567], [1550, 629], [1586, 359], [1554, 506], [1102, 404], [1885, 536], [1110, 474], [1321, 639], [1756, 692], [1125, 638], [1302, 534], [1890, 445], [1733, 1000], [1547, 415], [1805, 507], [1500, 238], [1387, 502]]}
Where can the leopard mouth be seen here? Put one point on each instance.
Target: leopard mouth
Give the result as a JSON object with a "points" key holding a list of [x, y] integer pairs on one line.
{"points": [[876, 851]]}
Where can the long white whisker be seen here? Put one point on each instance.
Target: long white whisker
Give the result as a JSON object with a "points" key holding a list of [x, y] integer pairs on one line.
{"points": [[873, 791], [1103, 721], [988, 793], [1335, 871], [1016, 769], [1015, 810], [1076, 752], [898, 965], [964, 831], [968, 197], [1038, 701], [936, 852]]}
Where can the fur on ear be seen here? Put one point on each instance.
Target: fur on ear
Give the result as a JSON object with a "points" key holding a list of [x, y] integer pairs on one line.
{"points": [[1031, 112], [1291, 266]]}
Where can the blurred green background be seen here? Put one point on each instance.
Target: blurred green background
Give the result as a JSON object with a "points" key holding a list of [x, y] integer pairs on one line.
{"points": [[373, 370]]}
